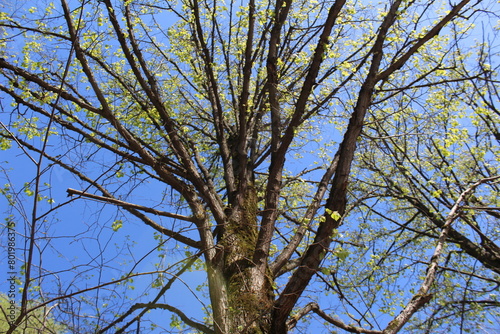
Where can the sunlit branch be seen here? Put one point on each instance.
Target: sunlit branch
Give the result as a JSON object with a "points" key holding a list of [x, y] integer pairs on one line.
{"points": [[46, 86], [423, 296], [314, 307], [68, 125], [462, 272], [129, 205], [452, 14]]}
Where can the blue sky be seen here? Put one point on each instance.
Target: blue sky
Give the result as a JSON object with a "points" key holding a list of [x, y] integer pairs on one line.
{"points": [[74, 235]]}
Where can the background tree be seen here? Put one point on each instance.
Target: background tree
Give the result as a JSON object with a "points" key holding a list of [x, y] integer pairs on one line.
{"points": [[36, 322], [281, 147]]}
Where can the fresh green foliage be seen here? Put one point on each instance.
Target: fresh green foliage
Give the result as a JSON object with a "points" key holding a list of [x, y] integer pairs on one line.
{"points": [[265, 160], [39, 321]]}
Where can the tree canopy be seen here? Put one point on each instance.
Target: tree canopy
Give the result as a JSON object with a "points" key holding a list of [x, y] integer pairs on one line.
{"points": [[253, 166]]}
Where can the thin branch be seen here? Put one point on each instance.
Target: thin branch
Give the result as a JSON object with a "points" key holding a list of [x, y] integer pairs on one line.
{"points": [[124, 204], [423, 296], [181, 315], [314, 307], [153, 304], [454, 12], [13, 137], [292, 245]]}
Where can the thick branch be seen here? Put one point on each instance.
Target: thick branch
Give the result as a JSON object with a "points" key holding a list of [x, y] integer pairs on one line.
{"points": [[336, 203], [278, 157], [214, 97], [419, 43], [280, 14]]}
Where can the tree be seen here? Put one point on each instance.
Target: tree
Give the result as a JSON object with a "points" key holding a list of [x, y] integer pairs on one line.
{"points": [[32, 324], [296, 152]]}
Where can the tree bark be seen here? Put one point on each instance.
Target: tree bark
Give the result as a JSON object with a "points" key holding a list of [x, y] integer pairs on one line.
{"points": [[244, 295]]}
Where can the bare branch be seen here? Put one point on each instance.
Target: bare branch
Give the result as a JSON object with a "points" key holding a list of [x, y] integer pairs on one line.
{"points": [[314, 307], [124, 204]]}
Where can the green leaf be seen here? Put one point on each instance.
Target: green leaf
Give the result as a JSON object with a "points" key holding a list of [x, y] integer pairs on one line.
{"points": [[335, 215], [27, 189], [116, 225]]}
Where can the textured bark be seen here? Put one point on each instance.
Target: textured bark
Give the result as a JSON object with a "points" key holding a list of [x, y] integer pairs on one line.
{"points": [[248, 289], [218, 297]]}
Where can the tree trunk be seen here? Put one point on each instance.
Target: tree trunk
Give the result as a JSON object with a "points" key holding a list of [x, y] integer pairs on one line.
{"points": [[249, 290]]}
